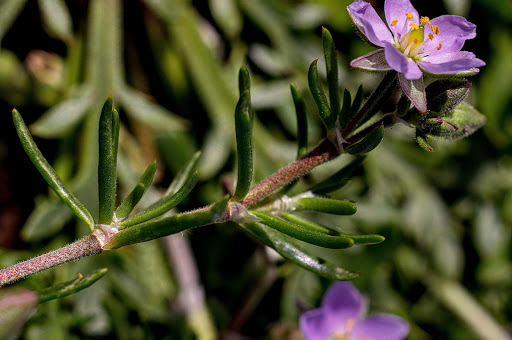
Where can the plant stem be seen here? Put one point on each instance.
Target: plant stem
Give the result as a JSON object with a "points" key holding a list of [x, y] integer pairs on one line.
{"points": [[374, 103], [89, 245], [324, 152]]}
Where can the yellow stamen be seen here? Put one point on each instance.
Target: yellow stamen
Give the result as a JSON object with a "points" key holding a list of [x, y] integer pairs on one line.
{"points": [[413, 25], [431, 36], [394, 22], [439, 46], [424, 20], [435, 29], [409, 16]]}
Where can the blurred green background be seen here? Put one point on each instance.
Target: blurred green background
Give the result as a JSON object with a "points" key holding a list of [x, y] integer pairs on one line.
{"points": [[171, 67]]}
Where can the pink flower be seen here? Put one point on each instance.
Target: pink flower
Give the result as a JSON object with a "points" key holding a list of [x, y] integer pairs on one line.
{"points": [[413, 45], [341, 317]]}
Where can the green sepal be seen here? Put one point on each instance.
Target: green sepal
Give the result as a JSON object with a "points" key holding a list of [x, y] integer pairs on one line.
{"points": [[455, 124], [368, 143], [424, 141], [107, 162], [244, 80], [319, 96], [298, 232], [344, 116], [70, 287], [339, 179], [182, 176], [445, 94], [331, 63], [243, 127], [325, 205], [48, 173], [163, 205], [129, 203], [168, 225], [302, 121], [288, 247]]}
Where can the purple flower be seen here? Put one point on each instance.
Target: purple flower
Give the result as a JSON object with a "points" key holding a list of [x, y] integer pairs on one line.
{"points": [[413, 45], [340, 317]]}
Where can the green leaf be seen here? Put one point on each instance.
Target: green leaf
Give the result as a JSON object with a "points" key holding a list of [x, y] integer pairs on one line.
{"points": [[163, 205], [64, 117], [331, 63], [70, 287], [403, 106], [339, 179], [365, 239], [139, 106], [56, 19], [325, 205], [302, 121], [319, 96], [244, 80], [368, 143], [445, 94], [182, 176], [357, 103], [129, 203], [9, 11], [344, 116], [107, 162], [167, 226], [289, 248], [243, 126], [48, 173], [315, 237], [455, 124]]}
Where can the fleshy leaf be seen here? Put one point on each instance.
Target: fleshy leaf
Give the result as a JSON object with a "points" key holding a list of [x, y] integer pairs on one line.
{"points": [[339, 179], [345, 109], [325, 205], [319, 96], [182, 176], [243, 126], [56, 18], [163, 205], [443, 95], [107, 162], [331, 63], [302, 123], [48, 173], [166, 226], [70, 287], [129, 203], [403, 106], [288, 247], [317, 238], [368, 143]]}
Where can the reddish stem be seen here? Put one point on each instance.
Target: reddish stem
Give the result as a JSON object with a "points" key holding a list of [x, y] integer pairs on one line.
{"points": [[324, 152], [89, 245]]}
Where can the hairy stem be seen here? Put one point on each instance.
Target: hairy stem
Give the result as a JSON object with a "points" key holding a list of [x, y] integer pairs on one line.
{"points": [[89, 245], [324, 152]]}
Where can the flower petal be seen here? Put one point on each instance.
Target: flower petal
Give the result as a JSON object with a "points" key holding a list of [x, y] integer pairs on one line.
{"points": [[450, 63], [399, 62], [366, 19], [414, 90], [395, 10], [343, 301], [373, 61], [381, 326], [453, 32], [313, 325]]}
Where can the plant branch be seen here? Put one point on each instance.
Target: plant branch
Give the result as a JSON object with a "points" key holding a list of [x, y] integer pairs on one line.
{"points": [[89, 245]]}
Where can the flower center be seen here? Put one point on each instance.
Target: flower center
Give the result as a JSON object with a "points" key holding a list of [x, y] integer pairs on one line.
{"points": [[411, 40]]}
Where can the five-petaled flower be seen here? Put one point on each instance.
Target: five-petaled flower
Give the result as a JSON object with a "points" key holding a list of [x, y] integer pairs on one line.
{"points": [[340, 317], [413, 45]]}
